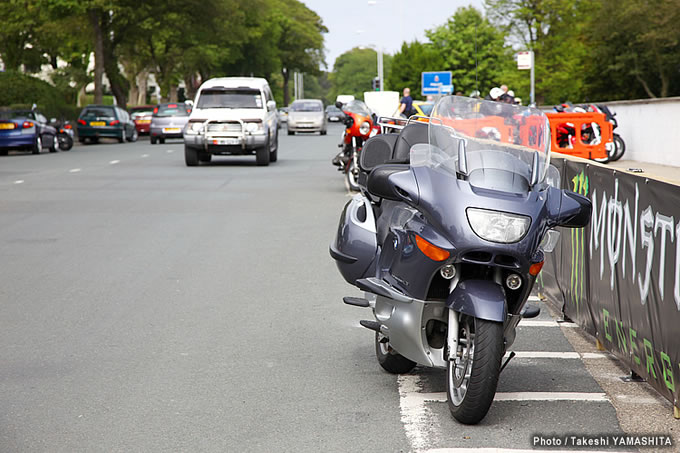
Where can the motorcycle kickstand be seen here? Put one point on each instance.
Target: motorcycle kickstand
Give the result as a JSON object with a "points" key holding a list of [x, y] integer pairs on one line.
{"points": [[512, 354]]}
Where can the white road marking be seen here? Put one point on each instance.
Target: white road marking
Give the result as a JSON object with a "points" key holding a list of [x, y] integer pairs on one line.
{"points": [[145, 155], [19, 181], [414, 414], [550, 396], [440, 397], [114, 162], [534, 299], [74, 170], [532, 323], [545, 355], [170, 151], [594, 355]]}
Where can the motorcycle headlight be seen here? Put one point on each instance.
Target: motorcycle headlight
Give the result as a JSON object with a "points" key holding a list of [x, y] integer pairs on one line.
{"points": [[365, 128], [254, 127], [496, 226]]}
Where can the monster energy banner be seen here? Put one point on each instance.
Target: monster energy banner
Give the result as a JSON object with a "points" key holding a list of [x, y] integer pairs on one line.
{"points": [[619, 278]]}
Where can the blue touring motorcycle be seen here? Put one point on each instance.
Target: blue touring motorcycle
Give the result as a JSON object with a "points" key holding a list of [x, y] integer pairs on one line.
{"points": [[447, 236]]}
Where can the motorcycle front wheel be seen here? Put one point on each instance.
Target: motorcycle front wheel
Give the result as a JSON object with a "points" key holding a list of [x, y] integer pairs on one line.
{"points": [[472, 378], [352, 177], [65, 142], [620, 147]]}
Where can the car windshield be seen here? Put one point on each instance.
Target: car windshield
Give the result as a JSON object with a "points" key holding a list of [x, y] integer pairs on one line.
{"points": [[10, 114], [426, 108], [306, 106], [504, 147], [356, 106], [165, 110], [136, 113], [230, 99], [97, 112]]}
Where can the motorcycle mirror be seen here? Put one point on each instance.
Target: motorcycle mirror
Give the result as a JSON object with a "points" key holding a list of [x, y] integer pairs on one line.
{"points": [[462, 158], [339, 104], [393, 182], [53, 120], [573, 210]]}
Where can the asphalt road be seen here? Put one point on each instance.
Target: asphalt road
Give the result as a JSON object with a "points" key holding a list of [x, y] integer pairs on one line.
{"points": [[148, 306]]}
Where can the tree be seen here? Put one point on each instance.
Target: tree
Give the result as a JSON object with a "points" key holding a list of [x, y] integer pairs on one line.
{"points": [[636, 49], [300, 45], [409, 62], [554, 30], [472, 49], [353, 72]]}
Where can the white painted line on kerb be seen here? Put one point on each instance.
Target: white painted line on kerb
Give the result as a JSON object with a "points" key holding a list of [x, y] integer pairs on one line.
{"points": [[74, 170], [414, 415], [550, 396], [534, 299], [556, 355], [440, 397], [114, 162], [505, 450], [19, 181], [532, 323]]}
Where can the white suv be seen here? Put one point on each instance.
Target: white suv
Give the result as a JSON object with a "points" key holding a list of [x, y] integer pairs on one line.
{"points": [[232, 116]]}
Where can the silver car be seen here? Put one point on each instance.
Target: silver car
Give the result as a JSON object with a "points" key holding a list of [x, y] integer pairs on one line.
{"points": [[307, 115], [168, 121]]}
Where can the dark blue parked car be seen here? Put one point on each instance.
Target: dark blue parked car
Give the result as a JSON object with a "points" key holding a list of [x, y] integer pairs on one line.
{"points": [[26, 129]]}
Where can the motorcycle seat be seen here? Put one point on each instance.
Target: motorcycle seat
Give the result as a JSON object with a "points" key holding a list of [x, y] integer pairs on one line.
{"points": [[376, 182], [414, 133], [377, 151]]}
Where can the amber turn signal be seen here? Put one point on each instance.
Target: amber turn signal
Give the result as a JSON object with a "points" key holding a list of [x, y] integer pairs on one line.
{"points": [[431, 251], [536, 268]]}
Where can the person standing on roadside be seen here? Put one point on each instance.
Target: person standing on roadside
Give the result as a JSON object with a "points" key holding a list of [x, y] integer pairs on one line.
{"points": [[406, 104]]}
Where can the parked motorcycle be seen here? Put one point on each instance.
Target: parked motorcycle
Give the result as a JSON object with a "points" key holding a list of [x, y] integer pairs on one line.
{"points": [[446, 241], [359, 126], [65, 134], [619, 144]]}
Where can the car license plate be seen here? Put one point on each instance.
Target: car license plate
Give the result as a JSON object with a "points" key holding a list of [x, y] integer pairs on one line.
{"points": [[171, 130], [226, 141], [7, 126], [97, 123], [143, 121]]}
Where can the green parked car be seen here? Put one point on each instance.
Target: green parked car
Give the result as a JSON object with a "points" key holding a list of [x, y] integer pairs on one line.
{"points": [[110, 121]]}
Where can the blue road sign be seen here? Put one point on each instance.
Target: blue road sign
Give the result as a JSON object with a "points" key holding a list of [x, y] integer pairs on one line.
{"points": [[436, 82]]}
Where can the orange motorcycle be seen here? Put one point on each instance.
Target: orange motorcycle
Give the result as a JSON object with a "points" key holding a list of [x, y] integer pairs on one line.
{"points": [[360, 125]]}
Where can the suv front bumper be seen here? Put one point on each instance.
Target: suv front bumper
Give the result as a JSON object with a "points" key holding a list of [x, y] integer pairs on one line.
{"points": [[235, 136]]}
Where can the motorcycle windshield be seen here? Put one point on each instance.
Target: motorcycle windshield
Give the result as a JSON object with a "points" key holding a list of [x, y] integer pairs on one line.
{"points": [[358, 107], [493, 145]]}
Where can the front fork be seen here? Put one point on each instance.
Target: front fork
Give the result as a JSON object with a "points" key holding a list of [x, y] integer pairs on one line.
{"points": [[452, 336]]}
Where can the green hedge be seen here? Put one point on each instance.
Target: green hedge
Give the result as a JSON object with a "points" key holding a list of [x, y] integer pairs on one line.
{"points": [[19, 90]]}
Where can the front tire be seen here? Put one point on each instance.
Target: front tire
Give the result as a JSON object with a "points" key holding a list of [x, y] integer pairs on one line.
{"points": [[65, 142], [274, 154], [262, 155], [134, 136], [389, 359], [204, 157], [619, 146], [352, 177], [37, 145], [122, 137], [472, 378], [53, 148], [190, 156]]}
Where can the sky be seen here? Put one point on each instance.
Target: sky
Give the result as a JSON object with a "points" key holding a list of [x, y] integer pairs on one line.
{"points": [[384, 24]]}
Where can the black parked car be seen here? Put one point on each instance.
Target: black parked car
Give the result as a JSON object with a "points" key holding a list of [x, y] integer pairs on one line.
{"points": [[105, 121], [334, 114]]}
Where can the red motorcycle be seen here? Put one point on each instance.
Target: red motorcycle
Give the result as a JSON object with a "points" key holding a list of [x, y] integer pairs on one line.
{"points": [[360, 125]]}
